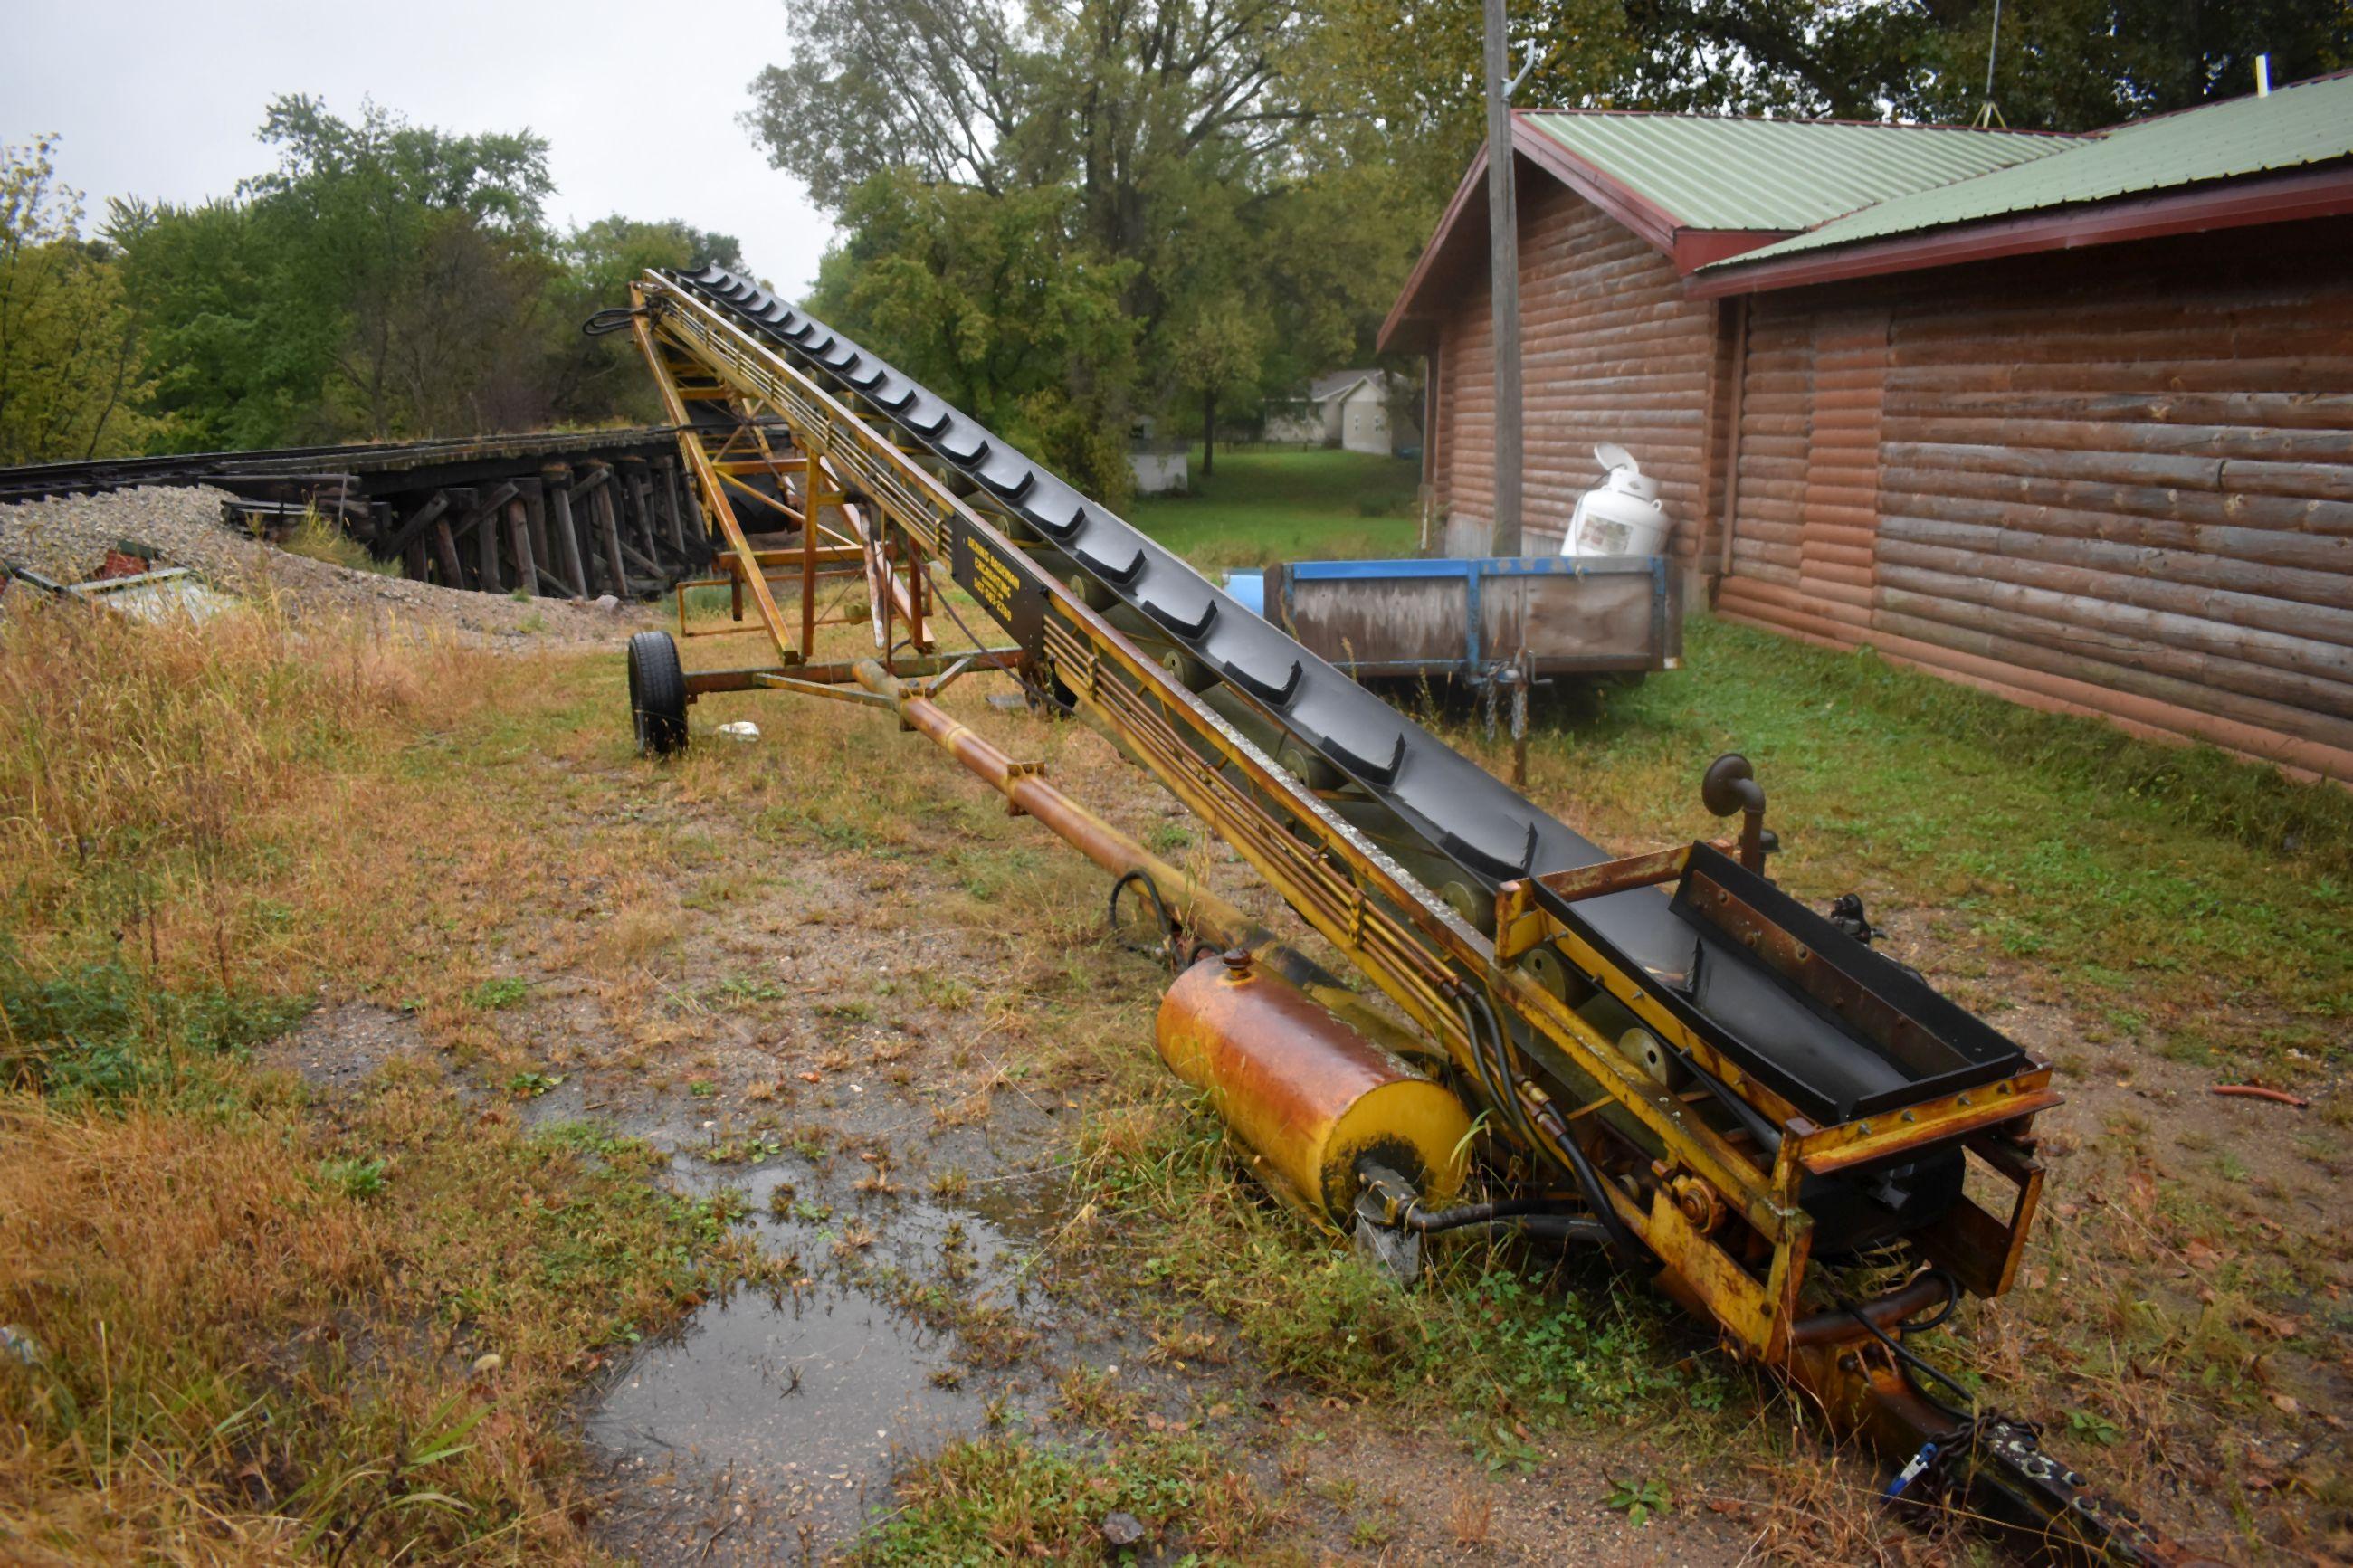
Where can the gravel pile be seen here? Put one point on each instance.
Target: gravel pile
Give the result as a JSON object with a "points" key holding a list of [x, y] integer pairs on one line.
{"points": [[68, 540]]}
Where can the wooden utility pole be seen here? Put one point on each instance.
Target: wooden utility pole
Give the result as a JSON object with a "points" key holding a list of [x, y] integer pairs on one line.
{"points": [[1503, 252]]}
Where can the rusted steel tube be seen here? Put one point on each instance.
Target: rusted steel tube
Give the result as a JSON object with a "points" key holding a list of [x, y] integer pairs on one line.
{"points": [[701, 682], [1201, 915], [1308, 1096], [1202, 912], [1884, 1313]]}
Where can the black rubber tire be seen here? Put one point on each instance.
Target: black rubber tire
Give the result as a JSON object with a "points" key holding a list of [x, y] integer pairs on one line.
{"points": [[656, 694]]}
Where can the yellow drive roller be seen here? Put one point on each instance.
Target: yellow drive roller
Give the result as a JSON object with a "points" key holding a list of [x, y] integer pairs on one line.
{"points": [[1307, 1095]]}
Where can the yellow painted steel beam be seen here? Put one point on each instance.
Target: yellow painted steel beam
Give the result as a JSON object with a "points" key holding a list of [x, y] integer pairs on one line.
{"points": [[1405, 939], [707, 479]]}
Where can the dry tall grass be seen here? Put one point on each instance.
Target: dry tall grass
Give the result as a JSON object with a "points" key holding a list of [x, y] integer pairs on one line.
{"points": [[319, 540], [183, 788], [242, 1331]]}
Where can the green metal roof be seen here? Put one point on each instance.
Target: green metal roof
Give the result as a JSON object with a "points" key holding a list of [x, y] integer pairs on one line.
{"points": [[1710, 173], [2309, 122]]}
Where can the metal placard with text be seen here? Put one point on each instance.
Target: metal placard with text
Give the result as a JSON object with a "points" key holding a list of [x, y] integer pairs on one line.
{"points": [[981, 568]]}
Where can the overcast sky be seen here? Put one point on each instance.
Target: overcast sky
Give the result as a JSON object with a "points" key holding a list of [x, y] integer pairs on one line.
{"points": [[638, 102]]}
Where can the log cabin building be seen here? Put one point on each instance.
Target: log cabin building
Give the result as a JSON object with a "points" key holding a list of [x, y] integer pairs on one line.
{"points": [[2067, 417]]}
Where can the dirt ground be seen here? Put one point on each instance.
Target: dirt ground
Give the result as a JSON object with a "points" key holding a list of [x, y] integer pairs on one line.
{"points": [[840, 1037], [835, 1030], [848, 991], [776, 1425]]}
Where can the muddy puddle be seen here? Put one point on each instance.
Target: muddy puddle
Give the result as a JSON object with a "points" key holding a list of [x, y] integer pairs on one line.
{"points": [[769, 1427]]}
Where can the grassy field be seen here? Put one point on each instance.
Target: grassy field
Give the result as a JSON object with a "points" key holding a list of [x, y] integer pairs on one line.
{"points": [[247, 1324], [1262, 506], [2153, 919], [260, 1319]]}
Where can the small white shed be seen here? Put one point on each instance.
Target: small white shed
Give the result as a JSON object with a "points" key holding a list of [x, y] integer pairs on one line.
{"points": [[1348, 408], [1364, 412], [1161, 468]]}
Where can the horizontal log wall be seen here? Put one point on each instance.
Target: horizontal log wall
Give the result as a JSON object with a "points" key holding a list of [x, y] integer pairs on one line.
{"points": [[1611, 351], [1774, 454], [2116, 482]]}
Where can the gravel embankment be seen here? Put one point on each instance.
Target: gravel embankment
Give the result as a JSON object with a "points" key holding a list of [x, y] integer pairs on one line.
{"points": [[67, 540]]}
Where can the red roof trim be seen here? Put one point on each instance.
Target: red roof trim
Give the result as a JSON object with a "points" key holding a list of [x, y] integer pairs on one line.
{"points": [[1637, 212], [2325, 193], [1698, 248], [1652, 222]]}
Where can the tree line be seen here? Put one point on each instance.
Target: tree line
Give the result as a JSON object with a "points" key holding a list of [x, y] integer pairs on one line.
{"points": [[384, 281], [1065, 214]]}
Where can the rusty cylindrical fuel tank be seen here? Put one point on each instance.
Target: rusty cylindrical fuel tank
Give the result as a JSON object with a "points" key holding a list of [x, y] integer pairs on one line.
{"points": [[1305, 1094]]}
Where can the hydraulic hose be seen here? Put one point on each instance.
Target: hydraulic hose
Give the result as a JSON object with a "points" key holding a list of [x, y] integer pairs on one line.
{"points": [[1483, 1028], [1429, 1223], [1542, 1219]]}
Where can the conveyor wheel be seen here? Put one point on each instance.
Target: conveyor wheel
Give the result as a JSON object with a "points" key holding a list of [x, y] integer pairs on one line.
{"points": [[656, 694]]}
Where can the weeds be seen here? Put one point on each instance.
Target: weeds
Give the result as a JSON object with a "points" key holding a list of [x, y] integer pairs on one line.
{"points": [[1493, 1337], [315, 538], [497, 994], [1640, 1499], [1009, 1498], [354, 1176], [94, 1032], [258, 1333]]}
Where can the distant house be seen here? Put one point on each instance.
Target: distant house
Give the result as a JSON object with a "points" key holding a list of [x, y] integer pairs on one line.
{"points": [[1345, 409], [2065, 417]]}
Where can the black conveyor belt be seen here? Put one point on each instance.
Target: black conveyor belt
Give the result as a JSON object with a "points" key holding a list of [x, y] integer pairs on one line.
{"points": [[1489, 830]]}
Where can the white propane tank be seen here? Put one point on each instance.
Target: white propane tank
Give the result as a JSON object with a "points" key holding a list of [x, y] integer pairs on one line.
{"points": [[1621, 516]]}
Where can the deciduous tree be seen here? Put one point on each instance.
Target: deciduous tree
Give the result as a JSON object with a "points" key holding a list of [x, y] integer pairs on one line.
{"points": [[384, 280], [69, 376], [375, 224], [976, 155]]}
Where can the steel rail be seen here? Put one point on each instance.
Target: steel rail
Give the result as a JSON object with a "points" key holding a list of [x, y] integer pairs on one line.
{"points": [[84, 476]]}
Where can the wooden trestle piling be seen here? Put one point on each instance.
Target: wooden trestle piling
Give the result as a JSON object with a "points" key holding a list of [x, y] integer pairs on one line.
{"points": [[561, 515], [623, 524]]}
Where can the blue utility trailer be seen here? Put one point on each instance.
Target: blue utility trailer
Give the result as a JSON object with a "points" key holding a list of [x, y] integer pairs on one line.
{"points": [[1478, 620]]}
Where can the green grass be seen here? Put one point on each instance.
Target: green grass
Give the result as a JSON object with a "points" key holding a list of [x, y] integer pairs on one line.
{"points": [[92, 1033], [498, 993], [1261, 507], [2153, 888], [1493, 1342], [1003, 1498], [346, 1333]]}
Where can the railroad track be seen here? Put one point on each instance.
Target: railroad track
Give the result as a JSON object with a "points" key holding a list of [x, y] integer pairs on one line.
{"points": [[567, 514], [282, 465]]}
